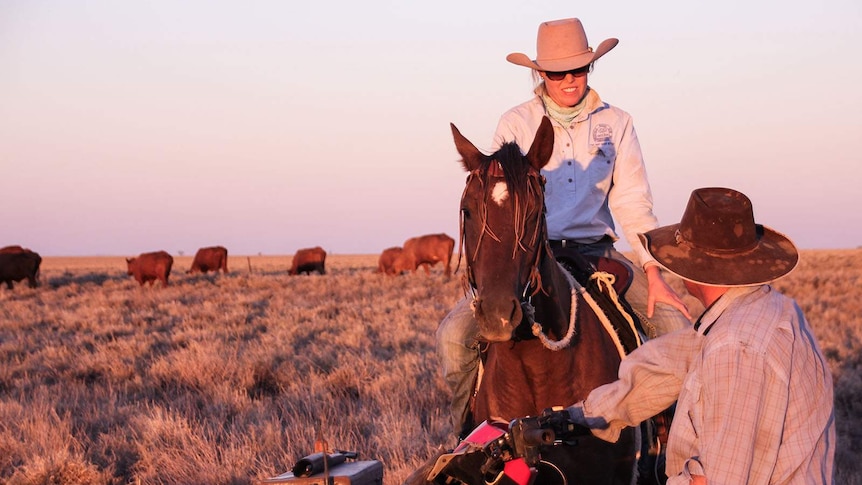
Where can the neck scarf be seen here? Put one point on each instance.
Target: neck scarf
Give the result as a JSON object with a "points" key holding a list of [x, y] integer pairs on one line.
{"points": [[563, 114]]}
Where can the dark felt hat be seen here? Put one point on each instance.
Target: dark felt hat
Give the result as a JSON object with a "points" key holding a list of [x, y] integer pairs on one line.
{"points": [[718, 243]]}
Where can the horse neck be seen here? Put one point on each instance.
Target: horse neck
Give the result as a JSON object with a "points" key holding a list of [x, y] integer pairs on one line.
{"points": [[553, 303]]}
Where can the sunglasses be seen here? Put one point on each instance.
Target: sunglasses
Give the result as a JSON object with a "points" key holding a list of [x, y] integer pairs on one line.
{"points": [[560, 75]]}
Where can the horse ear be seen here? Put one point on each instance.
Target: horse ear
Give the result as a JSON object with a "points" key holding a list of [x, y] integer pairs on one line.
{"points": [[470, 155], [543, 144]]}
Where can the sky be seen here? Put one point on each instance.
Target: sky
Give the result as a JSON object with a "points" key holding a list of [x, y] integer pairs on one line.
{"points": [[269, 126]]}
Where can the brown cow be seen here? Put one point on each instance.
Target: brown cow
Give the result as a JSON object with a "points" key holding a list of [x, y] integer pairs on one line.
{"points": [[18, 263], [427, 251], [149, 267], [390, 261], [308, 260], [213, 258]]}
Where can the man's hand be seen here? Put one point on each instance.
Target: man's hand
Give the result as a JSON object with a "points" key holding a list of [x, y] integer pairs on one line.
{"points": [[576, 414], [560, 421]]}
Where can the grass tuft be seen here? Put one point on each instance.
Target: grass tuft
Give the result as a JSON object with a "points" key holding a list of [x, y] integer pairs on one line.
{"points": [[229, 379]]}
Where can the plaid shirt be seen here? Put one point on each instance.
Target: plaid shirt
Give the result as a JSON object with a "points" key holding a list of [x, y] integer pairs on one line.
{"points": [[753, 391]]}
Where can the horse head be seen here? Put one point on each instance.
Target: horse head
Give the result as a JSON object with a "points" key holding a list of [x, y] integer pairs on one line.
{"points": [[502, 220]]}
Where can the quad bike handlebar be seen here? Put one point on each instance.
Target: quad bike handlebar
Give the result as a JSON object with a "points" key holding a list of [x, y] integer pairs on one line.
{"points": [[499, 450], [529, 434]]}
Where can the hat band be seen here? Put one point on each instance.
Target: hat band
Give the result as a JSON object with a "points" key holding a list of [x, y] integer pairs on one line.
{"points": [[589, 50], [681, 241]]}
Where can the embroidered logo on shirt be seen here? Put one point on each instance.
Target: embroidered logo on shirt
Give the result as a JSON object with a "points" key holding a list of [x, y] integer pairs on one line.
{"points": [[602, 133]]}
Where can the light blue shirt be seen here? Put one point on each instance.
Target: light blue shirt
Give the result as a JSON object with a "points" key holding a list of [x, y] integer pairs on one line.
{"points": [[596, 172]]}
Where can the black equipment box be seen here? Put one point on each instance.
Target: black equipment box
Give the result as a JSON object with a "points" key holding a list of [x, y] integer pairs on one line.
{"points": [[345, 473]]}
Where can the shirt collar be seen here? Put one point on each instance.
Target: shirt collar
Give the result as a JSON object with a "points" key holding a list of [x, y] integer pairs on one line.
{"points": [[711, 314]]}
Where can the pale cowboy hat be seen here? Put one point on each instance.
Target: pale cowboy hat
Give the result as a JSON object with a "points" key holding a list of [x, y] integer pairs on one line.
{"points": [[562, 46], [717, 243]]}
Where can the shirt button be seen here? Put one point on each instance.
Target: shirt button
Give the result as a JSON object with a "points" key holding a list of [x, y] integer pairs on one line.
{"points": [[570, 162], [570, 180]]}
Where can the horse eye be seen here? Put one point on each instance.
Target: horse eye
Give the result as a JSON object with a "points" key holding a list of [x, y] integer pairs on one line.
{"points": [[465, 213]]}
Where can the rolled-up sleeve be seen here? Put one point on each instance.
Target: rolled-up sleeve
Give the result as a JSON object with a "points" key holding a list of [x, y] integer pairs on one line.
{"points": [[630, 199], [649, 381]]}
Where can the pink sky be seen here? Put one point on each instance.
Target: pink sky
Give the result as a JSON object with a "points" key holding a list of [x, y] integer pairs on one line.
{"points": [[128, 127]]}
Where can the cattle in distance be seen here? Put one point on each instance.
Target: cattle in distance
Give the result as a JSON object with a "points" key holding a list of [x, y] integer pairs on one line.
{"points": [[151, 267], [390, 261], [213, 258], [428, 250], [308, 260], [17, 264]]}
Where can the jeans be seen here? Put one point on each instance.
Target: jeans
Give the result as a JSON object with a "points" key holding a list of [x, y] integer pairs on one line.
{"points": [[458, 349]]}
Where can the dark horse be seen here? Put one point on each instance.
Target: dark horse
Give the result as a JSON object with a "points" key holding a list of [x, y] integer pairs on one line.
{"points": [[538, 354]]}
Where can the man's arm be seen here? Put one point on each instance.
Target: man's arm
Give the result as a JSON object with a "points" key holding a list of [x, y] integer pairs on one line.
{"points": [[650, 379]]}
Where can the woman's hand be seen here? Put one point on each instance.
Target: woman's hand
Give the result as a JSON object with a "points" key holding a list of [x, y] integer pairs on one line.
{"points": [[660, 292]]}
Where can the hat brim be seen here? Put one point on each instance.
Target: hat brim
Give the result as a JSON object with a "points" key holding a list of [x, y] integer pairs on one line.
{"points": [[566, 63], [774, 256]]}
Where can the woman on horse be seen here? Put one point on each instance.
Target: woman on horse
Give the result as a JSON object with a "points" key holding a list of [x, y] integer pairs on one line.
{"points": [[596, 174]]}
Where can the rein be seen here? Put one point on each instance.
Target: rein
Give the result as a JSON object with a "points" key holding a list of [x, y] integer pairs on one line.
{"points": [[536, 327], [603, 279], [495, 170]]}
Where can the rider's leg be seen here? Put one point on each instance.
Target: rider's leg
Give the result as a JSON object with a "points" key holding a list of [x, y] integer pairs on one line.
{"points": [[458, 352]]}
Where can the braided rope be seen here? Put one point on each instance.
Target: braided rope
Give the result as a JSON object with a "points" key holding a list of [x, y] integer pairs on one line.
{"points": [[606, 281], [605, 321], [573, 313], [601, 277]]}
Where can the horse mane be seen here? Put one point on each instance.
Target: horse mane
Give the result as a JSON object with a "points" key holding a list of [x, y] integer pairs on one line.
{"points": [[514, 166]]}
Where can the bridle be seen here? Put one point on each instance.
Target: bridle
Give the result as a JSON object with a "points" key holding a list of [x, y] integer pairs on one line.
{"points": [[536, 241], [535, 183]]}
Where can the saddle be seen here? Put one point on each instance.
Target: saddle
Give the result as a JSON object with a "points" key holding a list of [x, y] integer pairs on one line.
{"points": [[622, 317]]}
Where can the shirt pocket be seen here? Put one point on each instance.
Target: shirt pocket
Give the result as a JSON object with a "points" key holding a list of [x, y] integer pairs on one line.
{"points": [[601, 166], [691, 400]]}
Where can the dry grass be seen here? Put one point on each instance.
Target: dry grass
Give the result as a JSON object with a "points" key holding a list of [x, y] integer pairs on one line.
{"points": [[229, 379]]}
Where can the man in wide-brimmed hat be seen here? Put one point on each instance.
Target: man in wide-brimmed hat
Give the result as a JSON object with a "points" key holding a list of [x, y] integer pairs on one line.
{"points": [[595, 178], [753, 388]]}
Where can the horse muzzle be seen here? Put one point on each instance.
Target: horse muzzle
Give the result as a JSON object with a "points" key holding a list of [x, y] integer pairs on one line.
{"points": [[497, 318]]}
